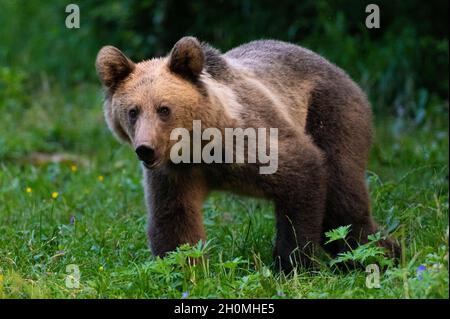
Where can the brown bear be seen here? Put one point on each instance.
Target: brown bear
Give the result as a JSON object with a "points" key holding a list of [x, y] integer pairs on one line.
{"points": [[324, 137]]}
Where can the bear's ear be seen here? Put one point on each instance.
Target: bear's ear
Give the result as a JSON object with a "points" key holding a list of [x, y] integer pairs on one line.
{"points": [[112, 66], [187, 58]]}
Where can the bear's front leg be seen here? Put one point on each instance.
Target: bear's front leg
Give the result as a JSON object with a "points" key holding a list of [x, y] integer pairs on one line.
{"points": [[299, 192], [174, 203]]}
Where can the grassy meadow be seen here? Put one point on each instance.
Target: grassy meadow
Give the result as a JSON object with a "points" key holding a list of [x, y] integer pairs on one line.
{"points": [[71, 195]]}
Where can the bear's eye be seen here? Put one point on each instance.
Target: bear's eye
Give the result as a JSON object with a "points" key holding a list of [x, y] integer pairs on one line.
{"points": [[163, 111], [133, 114]]}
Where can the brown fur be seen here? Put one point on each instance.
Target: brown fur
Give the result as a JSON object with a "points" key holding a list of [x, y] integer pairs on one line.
{"points": [[324, 123]]}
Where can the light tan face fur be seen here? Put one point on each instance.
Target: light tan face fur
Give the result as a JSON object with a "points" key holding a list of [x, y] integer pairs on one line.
{"points": [[149, 87]]}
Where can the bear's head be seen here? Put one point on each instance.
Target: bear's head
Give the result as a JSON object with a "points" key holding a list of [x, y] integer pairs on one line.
{"points": [[145, 101]]}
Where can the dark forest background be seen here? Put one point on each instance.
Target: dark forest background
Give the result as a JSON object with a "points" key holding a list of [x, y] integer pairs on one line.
{"points": [[402, 66]]}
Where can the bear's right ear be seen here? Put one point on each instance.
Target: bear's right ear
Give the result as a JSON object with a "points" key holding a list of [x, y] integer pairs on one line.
{"points": [[112, 66], [187, 58]]}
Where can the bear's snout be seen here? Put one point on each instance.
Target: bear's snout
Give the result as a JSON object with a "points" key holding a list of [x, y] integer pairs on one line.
{"points": [[146, 154]]}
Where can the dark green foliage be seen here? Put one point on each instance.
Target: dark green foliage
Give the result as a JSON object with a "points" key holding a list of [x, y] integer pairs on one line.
{"points": [[391, 63]]}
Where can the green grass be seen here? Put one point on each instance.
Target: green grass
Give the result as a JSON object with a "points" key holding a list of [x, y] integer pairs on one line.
{"points": [[99, 223]]}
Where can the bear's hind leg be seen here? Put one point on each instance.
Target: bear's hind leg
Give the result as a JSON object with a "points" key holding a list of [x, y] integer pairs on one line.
{"points": [[300, 192], [348, 203]]}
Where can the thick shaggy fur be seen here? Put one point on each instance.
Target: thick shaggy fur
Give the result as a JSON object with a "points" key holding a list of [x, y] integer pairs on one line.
{"points": [[324, 123]]}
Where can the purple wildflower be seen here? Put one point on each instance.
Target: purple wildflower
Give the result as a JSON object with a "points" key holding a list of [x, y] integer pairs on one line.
{"points": [[72, 219], [185, 294], [420, 270]]}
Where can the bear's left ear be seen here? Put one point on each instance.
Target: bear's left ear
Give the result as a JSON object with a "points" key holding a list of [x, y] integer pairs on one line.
{"points": [[187, 58], [112, 66]]}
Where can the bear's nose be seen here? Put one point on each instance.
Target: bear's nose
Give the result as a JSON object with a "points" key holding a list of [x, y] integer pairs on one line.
{"points": [[145, 153]]}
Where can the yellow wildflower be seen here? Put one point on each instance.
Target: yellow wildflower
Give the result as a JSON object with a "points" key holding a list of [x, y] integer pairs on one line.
{"points": [[73, 168], [55, 195], [101, 178], [29, 190]]}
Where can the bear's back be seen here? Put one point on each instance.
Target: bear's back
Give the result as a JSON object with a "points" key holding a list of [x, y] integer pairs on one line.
{"points": [[319, 97], [270, 55]]}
